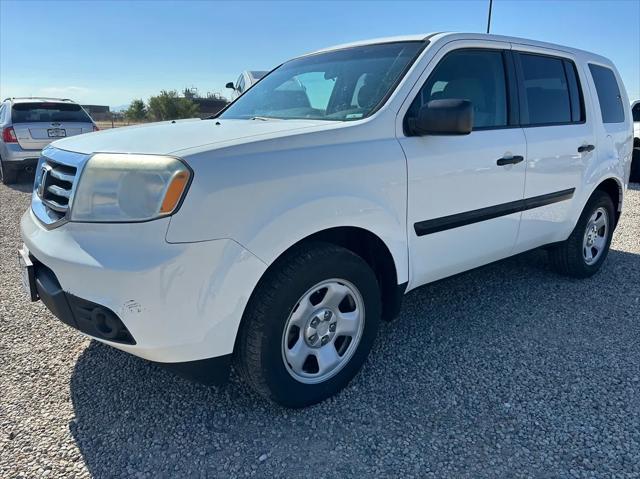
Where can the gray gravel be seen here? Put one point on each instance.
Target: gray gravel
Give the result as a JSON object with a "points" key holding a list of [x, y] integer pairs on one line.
{"points": [[506, 371]]}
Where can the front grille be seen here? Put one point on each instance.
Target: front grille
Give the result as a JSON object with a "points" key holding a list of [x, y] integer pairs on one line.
{"points": [[55, 186], [57, 175]]}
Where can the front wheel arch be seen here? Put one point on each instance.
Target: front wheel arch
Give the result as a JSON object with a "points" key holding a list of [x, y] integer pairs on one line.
{"points": [[369, 247]]}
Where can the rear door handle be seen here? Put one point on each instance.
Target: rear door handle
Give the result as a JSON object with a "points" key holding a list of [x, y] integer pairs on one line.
{"points": [[583, 148], [514, 160]]}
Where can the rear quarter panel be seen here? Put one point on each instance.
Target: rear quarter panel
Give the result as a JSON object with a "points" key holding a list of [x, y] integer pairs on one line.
{"points": [[614, 140]]}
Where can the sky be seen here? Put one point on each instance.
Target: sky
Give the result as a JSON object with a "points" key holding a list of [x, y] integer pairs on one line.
{"points": [[110, 52]]}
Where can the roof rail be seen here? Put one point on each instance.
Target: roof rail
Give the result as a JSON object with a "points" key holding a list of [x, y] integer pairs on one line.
{"points": [[36, 98]]}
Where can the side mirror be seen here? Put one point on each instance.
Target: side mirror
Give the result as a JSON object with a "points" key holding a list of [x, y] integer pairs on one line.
{"points": [[443, 117], [230, 85]]}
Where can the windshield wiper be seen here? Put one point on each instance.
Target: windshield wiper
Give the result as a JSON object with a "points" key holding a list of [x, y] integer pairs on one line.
{"points": [[262, 118]]}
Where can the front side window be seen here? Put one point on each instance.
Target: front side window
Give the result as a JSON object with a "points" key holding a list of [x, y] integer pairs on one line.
{"points": [[608, 94], [546, 90], [340, 85], [474, 75], [48, 112]]}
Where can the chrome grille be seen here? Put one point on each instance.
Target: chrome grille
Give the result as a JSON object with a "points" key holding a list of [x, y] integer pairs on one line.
{"points": [[56, 184], [56, 177]]}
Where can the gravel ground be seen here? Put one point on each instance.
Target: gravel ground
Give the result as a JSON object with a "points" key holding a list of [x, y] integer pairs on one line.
{"points": [[506, 371]]}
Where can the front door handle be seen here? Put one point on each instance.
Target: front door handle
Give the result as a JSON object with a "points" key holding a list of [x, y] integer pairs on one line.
{"points": [[584, 148], [514, 160]]}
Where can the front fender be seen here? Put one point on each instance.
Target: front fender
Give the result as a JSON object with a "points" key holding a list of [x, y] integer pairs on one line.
{"points": [[269, 195], [268, 239]]}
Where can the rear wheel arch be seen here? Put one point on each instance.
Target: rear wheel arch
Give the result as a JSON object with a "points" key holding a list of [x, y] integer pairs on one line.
{"points": [[613, 188]]}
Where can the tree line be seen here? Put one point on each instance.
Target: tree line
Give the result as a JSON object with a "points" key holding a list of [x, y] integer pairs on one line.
{"points": [[168, 105]]}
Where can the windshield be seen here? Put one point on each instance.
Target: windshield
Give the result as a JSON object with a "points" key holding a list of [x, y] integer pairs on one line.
{"points": [[48, 112], [340, 85]]}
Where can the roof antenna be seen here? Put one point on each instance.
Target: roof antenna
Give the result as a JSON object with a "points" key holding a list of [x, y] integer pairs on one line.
{"points": [[489, 19]]}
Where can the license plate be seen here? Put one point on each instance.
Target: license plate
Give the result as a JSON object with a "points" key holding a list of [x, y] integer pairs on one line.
{"points": [[28, 274], [56, 132]]}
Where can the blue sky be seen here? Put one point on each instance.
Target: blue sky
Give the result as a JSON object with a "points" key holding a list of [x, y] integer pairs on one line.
{"points": [[111, 52]]}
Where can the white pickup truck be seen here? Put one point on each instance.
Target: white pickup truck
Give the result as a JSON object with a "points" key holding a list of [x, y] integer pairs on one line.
{"points": [[280, 233]]}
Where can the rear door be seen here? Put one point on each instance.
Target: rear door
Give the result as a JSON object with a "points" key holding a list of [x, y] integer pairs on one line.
{"points": [[463, 203], [37, 124], [560, 138]]}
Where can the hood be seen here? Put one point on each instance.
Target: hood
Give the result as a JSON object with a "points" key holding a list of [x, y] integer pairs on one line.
{"points": [[172, 136]]}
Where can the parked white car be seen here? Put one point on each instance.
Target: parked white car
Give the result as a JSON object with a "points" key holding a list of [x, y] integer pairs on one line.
{"points": [[280, 233], [246, 79]]}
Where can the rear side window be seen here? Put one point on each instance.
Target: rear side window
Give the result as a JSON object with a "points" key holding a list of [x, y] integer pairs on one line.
{"points": [[636, 112], [548, 86], [474, 75], [608, 94], [48, 112]]}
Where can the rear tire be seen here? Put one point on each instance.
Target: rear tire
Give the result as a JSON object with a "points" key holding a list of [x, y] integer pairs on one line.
{"points": [[290, 348], [635, 166], [583, 253], [7, 176]]}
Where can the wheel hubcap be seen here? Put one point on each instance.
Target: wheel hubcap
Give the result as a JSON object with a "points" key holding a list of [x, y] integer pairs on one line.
{"points": [[321, 328], [323, 331], [595, 236]]}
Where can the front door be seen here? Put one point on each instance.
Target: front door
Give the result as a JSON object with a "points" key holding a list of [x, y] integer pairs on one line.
{"points": [[465, 192]]}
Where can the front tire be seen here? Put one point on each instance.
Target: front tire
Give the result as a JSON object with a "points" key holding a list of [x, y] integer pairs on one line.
{"points": [[309, 325], [583, 253]]}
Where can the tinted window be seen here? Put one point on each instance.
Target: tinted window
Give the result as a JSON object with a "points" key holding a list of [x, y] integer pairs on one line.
{"points": [[636, 112], [546, 92], [474, 75], [240, 84], [323, 86], [48, 112], [608, 94]]}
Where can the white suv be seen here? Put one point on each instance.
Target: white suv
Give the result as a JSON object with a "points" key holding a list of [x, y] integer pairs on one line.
{"points": [[280, 233]]}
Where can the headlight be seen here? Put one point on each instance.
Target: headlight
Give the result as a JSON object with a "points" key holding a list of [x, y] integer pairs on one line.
{"points": [[123, 187]]}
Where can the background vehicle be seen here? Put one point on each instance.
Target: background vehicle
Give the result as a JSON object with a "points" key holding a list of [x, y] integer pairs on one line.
{"points": [[30, 124], [244, 81], [635, 165], [280, 233]]}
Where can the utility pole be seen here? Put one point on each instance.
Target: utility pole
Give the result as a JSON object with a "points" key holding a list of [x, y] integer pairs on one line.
{"points": [[489, 19]]}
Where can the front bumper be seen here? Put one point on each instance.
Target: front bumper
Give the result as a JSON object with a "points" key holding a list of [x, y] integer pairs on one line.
{"points": [[91, 318], [177, 302]]}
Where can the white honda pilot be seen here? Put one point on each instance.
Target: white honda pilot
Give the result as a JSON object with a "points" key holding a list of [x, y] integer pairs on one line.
{"points": [[279, 234]]}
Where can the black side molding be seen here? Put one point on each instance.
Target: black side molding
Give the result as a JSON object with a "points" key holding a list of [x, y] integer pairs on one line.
{"points": [[483, 214]]}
